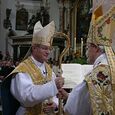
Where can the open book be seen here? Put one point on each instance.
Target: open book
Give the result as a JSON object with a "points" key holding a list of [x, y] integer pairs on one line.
{"points": [[74, 73]]}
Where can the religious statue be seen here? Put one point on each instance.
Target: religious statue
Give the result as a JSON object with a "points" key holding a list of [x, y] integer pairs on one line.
{"points": [[42, 16], [7, 22]]}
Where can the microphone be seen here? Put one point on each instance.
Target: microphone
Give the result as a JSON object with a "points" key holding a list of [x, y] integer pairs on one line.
{"points": [[45, 72]]}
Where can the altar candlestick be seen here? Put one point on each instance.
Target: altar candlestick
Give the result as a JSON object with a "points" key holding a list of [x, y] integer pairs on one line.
{"points": [[81, 47]]}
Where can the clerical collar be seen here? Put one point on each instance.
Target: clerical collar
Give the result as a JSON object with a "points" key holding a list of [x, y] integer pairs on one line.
{"points": [[100, 60], [37, 62]]}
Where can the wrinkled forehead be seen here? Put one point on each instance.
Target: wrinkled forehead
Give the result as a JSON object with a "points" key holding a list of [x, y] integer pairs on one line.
{"points": [[90, 45], [40, 45], [44, 47]]}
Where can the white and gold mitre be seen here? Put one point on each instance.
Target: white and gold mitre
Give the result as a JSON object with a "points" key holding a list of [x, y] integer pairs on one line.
{"points": [[43, 35], [102, 30], [37, 27]]}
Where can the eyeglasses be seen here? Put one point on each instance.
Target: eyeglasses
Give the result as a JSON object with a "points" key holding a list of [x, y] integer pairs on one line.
{"points": [[91, 46]]}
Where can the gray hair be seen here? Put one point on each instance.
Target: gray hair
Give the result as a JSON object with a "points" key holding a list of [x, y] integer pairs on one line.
{"points": [[102, 49]]}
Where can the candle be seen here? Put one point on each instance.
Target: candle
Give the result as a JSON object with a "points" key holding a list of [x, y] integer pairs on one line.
{"points": [[81, 47], [75, 45]]}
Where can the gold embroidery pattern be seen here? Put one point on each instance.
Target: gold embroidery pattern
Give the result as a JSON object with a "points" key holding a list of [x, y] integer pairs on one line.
{"points": [[100, 88], [111, 59], [100, 30]]}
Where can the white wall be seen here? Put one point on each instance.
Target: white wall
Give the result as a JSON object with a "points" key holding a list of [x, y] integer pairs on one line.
{"points": [[54, 13]]}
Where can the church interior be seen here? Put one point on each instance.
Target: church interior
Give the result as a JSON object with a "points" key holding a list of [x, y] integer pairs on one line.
{"points": [[18, 17], [72, 19]]}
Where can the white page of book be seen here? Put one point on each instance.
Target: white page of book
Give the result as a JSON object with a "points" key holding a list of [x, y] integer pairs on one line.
{"points": [[74, 73]]}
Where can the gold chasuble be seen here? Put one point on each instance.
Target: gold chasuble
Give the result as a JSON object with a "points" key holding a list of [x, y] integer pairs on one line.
{"points": [[100, 88], [27, 66]]}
